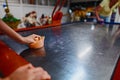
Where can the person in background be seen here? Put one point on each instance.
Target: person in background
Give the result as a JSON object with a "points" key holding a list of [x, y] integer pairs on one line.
{"points": [[27, 72], [104, 10], [24, 23], [30, 20], [34, 17], [43, 19]]}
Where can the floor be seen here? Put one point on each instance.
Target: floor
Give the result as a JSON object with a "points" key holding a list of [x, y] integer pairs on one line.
{"points": [[78, 51]]}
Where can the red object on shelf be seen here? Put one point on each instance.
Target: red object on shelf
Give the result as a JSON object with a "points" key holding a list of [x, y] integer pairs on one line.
{"points": [[9, 60], [57, 16], [56, 23], [56, 19]]}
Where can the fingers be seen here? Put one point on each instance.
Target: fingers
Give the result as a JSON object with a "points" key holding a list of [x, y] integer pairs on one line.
{"points": [[36, 36], [46, 76], [31, 73], [27, 66], [41, 74], [31, 38]]}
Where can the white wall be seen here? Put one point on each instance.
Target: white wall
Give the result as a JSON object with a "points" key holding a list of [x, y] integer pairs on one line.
{"points": [[19, 10]]}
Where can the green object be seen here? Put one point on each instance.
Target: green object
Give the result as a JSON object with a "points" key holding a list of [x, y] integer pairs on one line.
{"points": [[11, 21], [9, 18]]}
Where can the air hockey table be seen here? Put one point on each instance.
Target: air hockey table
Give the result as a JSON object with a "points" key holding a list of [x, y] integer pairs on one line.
{"points": [[76, 51]]}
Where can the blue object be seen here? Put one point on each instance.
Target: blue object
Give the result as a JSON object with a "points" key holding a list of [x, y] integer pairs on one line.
{"points": [[4, 5]]}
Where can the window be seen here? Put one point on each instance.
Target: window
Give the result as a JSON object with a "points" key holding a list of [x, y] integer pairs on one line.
{"points": [[10, 1]]}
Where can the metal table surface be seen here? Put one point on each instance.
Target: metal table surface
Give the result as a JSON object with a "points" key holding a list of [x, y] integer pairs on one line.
{"points": [[78, 51]]}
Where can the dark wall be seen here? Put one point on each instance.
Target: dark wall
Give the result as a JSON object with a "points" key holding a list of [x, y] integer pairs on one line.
{"points": [[81, 5]]}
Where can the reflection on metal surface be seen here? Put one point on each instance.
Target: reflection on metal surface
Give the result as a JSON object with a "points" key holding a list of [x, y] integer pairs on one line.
{"points": [[92, 27], [56, 30], [84, 53], [79, 74], [34, 52]]}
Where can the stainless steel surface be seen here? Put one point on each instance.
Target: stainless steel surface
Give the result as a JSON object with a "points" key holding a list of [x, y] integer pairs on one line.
{"points": [[78, 51]]}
